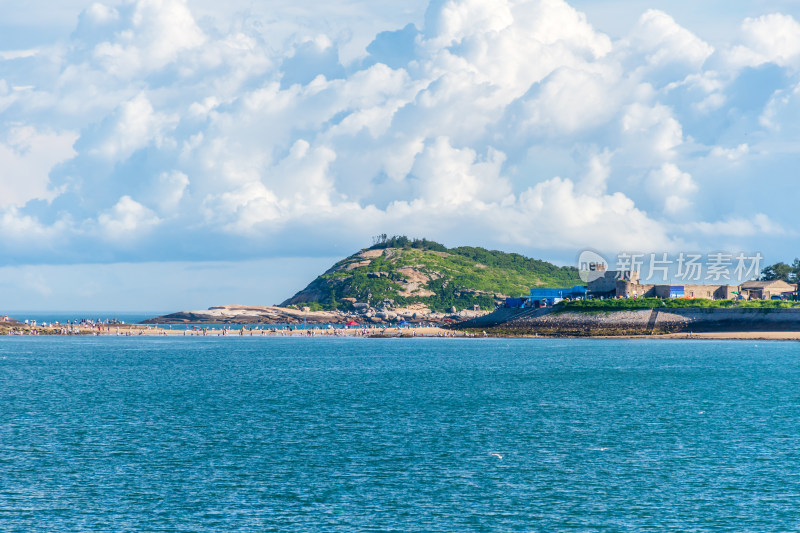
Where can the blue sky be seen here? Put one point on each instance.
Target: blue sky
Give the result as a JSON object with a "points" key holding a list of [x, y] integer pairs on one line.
{"points": [[169, 154]]}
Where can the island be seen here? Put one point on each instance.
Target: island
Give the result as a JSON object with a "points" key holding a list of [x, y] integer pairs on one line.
{"points": [[398, 280], [398, 285]]}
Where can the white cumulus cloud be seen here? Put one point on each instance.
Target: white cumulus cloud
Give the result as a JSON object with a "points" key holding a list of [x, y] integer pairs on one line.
{"points": [[512, 122], [26, 158], [126, 220], [771, 38]]}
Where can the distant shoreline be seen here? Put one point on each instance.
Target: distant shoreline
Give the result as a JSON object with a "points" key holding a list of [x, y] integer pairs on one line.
{"points": [[14, 328], [140, 330], [689, 324]]}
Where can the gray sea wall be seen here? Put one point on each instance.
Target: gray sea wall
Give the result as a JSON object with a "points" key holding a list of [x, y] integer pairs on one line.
{"points": [[647, 322]]}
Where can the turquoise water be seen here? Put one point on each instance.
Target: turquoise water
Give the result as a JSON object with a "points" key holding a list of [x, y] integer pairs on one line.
{"points": [[291, 434]]}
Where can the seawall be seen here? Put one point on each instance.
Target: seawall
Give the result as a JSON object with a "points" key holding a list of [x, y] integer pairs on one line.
{"points": [[645, 322]]}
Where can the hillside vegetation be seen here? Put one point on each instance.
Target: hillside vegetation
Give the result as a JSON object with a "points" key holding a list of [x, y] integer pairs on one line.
{"points": [[417, 271]]}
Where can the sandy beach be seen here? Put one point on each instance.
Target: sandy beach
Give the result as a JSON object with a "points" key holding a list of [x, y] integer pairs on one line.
{"points": [[139, 330]]}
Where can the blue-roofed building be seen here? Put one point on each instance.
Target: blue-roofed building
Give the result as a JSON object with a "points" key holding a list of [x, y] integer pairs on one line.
{"points": [[550, 296], [516, 302]]}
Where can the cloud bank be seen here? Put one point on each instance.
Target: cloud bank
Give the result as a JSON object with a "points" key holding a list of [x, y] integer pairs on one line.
{"points": [[155, 135]]}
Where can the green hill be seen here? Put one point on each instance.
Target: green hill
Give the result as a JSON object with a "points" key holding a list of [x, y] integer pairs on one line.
{"points": [[419, 271]]}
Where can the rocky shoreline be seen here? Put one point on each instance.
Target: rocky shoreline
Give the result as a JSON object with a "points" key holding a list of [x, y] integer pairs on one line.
{"points": [[8, 325], [645, 322], [654, 323], [270, 315]]}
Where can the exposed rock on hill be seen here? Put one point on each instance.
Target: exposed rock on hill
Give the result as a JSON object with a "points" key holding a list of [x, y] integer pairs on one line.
{"points": [[399, 272], [242, 314], [363, 315], [396, 280]]}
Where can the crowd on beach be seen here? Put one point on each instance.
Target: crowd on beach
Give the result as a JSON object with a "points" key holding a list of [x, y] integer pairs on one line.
{"points": [[329, 331], [98, 328]]}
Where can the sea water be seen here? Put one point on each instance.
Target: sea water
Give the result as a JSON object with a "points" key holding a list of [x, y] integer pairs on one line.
{"points": [[345, 434]]}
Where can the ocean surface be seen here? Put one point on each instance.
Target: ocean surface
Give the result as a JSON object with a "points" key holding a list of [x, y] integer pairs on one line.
{"points": [[434, 435]]}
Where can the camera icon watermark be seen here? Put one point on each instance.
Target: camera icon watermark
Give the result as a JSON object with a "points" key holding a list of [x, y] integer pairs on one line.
{"points": [[591, 265]]}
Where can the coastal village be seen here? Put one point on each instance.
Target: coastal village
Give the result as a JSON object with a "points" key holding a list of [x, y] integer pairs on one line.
{"points": [[605, 284]]}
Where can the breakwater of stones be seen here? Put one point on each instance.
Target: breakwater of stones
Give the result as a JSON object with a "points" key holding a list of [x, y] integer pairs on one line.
{"points": [[588, 323]]}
